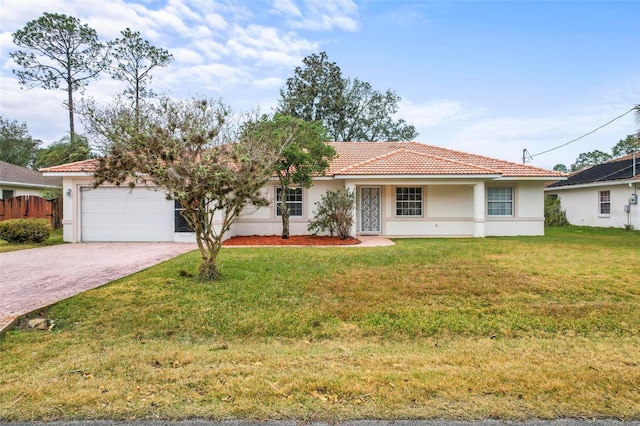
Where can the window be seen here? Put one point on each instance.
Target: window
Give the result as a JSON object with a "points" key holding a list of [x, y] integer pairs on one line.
{"points": [[180, 224], [408, 201], [293, 200], [605, 202], [500, 201], [7, 193]]}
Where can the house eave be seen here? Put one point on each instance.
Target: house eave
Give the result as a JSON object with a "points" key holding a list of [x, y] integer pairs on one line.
{"points": [[533, 178], [27, 185], [67, 174], [422, 177], [620, 182]]}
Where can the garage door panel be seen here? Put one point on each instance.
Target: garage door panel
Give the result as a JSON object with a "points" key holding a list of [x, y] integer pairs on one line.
{"points": [[119, 214]]}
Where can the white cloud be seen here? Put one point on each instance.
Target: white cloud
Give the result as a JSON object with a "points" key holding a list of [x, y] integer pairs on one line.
{"points": [[286, 7], [267, 83], [326, 15], [432, 113], [186, 56]]}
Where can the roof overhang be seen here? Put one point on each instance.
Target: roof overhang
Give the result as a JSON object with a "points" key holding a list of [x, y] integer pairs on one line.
{"points": [[68, 174], [622, 182], [532, 178], [28, 185], [421, 177]]}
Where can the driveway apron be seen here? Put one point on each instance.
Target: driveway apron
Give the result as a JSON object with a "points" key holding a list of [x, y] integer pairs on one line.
{"points": [[35, 278]]}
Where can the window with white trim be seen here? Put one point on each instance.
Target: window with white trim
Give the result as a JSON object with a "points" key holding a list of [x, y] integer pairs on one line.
{"points": [[605, 202], [409, 201], [293, 200], [500, 201]]}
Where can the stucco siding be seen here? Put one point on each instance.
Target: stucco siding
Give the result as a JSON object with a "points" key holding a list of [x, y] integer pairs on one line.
{"points": [[582, 206]]}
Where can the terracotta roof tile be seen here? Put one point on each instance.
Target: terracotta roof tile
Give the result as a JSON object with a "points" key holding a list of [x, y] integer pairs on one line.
{"points": [[84, 166], [394, 158]]}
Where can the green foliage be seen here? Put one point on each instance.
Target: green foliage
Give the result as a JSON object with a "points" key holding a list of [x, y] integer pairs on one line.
{"points": [[350, 110], [560, 168], [334, 213], [190, 151], [16, 145], [629, 145], [51, 193], [25, 230], [135, 58], [66, 150], [60, 53], [588, 159], [304, 153], [553, 213]]}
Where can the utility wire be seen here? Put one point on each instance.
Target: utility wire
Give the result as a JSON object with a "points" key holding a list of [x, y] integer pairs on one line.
{"points": [[586, 134]]}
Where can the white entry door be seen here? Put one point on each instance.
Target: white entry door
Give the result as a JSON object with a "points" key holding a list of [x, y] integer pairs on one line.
{"points": [[370, 210]]}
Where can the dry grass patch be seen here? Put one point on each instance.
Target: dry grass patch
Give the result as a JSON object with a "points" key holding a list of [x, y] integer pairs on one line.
{"points": [[509, 328]]}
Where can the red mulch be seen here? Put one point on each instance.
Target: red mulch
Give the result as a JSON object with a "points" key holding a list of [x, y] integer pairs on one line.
{"points": [[294, 240]]}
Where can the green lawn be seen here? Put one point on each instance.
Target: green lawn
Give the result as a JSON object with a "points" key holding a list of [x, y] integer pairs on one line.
{"points": [[509, 328], [55, 238]]}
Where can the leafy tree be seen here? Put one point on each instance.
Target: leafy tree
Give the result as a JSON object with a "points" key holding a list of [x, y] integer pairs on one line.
{"points": [[553, 213], [135, 58], [626, 146], [560, 168], [61, 53], [305, 154], [588, 159], [189, 150], [368, 115], [66, 150], [334, 213], [16, 145], [350, 110]]}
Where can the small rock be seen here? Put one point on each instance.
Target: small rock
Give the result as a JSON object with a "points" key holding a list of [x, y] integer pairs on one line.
{"points": [[38, 324]]}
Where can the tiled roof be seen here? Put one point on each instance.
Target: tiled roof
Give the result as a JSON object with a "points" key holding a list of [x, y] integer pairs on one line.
{"points": [[616, 169], [84, 166], [424, 159], [395, 158], [10, 173]]}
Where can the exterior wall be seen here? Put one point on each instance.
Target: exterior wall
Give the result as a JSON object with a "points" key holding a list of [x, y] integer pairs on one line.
{"points": [[19, 190], [582, 205], [447, 211], [528, 217], [265, 221], [451, 208]]}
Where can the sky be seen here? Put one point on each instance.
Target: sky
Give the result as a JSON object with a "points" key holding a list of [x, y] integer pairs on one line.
{"points": [[485, 77]]}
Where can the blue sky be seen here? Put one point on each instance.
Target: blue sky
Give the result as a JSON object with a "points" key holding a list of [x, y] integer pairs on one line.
{"points": [[487, 77]]}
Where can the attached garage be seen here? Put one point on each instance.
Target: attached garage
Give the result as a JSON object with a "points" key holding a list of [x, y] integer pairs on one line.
{"points": [[124, 214]]}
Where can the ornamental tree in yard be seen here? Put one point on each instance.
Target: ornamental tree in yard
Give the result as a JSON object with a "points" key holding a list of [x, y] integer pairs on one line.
{"points": [[191, 151], [305, 154]]}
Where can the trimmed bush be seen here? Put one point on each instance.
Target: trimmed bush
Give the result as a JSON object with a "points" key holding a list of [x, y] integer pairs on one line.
{"points": [[23, 231], [334, 213]]}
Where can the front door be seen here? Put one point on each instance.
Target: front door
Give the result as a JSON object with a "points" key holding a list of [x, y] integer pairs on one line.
{"points": [[370, 210]]}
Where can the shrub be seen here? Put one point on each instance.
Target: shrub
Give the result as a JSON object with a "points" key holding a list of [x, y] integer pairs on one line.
{"points": [[553, 213], [25, 230], [334, 213]]}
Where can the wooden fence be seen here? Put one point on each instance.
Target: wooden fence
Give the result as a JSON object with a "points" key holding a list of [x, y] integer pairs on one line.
{"points": [[32, 206]]}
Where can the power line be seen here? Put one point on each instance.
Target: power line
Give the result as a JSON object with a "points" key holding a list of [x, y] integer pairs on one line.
{"points": [[586, 134]]}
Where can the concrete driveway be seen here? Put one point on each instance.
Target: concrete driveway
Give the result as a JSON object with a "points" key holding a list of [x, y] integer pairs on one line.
{"points": [[35, 278]]}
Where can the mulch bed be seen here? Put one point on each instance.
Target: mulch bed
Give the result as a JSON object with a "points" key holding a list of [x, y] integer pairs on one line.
{"points": [[294, 240]]}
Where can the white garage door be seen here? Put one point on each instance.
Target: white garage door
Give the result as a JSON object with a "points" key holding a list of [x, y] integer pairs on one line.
{"points": [[123, 214]]}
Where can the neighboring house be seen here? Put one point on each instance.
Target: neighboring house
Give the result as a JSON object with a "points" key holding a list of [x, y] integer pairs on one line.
{"points": [[605, 195], [16, 181], [404, 189]]}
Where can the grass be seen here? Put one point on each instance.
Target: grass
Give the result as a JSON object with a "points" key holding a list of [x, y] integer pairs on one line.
{"points": [[509, 328], [55, 238]]}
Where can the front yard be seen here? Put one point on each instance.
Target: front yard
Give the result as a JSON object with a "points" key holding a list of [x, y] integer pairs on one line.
{"points": [[509, 328]]}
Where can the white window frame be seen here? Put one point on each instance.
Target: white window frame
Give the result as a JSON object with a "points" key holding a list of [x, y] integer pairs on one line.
{"points": [[500, 206], [604, 203], [290, 203], [411, 202]]}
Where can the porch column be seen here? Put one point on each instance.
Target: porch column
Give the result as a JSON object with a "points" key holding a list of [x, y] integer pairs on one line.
{"points": [[478, 210], [352, 187]]}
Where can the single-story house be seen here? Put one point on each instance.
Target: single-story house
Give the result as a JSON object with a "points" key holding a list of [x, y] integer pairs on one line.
{"points": [[16, 181], [404, 189], [605, 195]]}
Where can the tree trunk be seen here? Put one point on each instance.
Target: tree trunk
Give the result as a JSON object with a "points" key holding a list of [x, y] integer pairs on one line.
{"points": [[72, 131], [284, 211], [208, 270]]}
